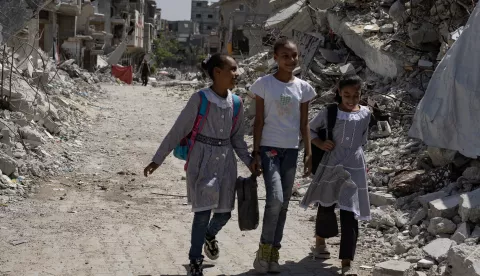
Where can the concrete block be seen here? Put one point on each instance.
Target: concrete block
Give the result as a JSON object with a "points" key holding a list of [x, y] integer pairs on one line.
{"points": [[469, 209], [418, 217], [438, 249], [380, 198], [8, 165], [462, 233], [394, 268], [441, 226], [425, 199], [377, 60], [51, 126], [464, 260], [445, 207], [387, 28], [371, 28], [425, 263]]}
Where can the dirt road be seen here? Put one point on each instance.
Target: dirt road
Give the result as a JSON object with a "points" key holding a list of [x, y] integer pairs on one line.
{"points": [[105, 218]]}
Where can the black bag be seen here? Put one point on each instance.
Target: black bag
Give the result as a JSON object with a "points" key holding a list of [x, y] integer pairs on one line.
{"points": [[248, 213], [324, 134]]}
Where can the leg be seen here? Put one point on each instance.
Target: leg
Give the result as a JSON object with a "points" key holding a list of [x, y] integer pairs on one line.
{"points": [[199, 228], [348, 242], [288, 168], [216, 224], [274, 197], [326, 225]]}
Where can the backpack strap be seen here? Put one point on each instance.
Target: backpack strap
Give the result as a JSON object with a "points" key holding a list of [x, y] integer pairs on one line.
{"points": [[199, 122], [237, 105], [332, 110]]}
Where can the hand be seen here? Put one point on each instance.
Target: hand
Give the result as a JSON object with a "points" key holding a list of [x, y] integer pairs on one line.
{"points": [[327, 145], [150, 169], [256, 165], [307, 168]]}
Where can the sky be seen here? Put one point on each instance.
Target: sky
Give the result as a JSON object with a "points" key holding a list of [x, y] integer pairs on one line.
{"points": [[176, 9]]}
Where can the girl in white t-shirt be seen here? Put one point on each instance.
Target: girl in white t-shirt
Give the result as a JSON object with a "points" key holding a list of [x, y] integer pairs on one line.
{"points": [[282, 103]]}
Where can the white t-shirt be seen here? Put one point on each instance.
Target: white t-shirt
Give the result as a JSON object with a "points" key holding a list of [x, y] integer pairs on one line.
{"points": [[282, 110]]}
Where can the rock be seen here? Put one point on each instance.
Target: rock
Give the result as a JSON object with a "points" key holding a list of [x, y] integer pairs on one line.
{"points": [[440, 157], [445, 207], [457, 219], [424, 33], [384, 129], [416, 93], [464, 260], [398, 11], [405, 182], [8, 165], [472, 174], [402, 247], [425, 199], [425, 64], [440, 225], [469, 209], [425, 263], [394, 268], [330, 55], [371, 29], [381, 219], [400, 220], [476, 233], [418, 217], [51, 126], [462, 233], [7, 137], [438, 249], [28, 133], [420, 273], [414, 231], [380, 198], [387, 28], [347, 69]]}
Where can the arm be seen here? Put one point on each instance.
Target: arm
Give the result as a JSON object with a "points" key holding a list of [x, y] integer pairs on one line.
{"points": [[182, 127], [317, 123], [238, 141]]}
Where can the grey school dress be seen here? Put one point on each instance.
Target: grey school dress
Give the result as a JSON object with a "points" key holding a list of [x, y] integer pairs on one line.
{"points": [[212, 168], [341, 177]]}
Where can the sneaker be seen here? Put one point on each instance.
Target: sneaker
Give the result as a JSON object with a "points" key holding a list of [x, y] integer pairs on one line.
{"points": [[262, 260], [274, 266], [211, 249], [196, 268]]}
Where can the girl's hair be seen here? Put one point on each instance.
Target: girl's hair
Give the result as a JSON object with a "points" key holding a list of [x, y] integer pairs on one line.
{"points": [[282, 42], [347, 80], [217, 60]]}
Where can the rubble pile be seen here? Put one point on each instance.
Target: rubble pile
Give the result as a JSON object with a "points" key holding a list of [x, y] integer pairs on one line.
{"points": [[41, 115]]}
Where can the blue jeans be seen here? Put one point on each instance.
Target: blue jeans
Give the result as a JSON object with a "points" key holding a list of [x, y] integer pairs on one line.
{"points": [[279, 170], [203, 228]]}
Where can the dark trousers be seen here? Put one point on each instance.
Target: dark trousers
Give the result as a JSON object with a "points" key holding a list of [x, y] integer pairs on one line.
{"points": [[327, 227], [144, 80], [204, 227]]}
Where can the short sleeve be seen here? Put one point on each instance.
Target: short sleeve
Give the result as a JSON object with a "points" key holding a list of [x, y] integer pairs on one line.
{"points": [[308, 92], [258, 88]]}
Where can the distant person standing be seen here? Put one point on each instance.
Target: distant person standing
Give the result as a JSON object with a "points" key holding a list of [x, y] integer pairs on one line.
{"points": [[145, 73]]}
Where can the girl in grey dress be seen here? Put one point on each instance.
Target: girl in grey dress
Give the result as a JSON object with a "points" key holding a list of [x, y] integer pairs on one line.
{"points": [[212, 166], [341, 176]]}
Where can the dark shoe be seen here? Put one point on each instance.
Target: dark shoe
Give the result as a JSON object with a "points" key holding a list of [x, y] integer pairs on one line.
{"points": [[211, 249], [196, 268]]}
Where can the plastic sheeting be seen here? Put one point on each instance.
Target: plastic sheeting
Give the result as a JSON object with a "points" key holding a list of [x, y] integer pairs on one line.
{"points": [[124, 74], [448, 116]]}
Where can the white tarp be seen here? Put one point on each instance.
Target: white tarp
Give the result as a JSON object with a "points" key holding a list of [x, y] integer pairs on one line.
{"points": [[448, 116]]}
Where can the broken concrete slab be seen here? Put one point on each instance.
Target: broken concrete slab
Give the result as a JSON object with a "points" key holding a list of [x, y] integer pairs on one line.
{"points": [[445, 207], [425, 199], [51, 126], [469, 209], [419, 216], [394, 268], [371, 28], [438, 249], [425, 263], [330, 55], [8, 165], [380, 198], [347, 69], [464, 260], [424, 33], [28, 133], [387, 28], [380, 62], [440, 225], [462, 233]]}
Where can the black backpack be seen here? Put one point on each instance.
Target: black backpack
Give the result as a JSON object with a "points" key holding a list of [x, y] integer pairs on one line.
{"points": [[324, 134]]}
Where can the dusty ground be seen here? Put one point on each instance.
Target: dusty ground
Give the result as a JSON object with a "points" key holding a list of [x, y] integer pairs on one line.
{"points": [[105, 218]]}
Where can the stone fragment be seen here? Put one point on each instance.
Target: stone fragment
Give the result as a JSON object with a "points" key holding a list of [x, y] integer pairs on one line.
{"points": [[347, 69], [51, 126], [414, 231], [416, 93], [445, 207], [371, 29], [381, 219], [28, 133], [394, 268], [398, 11], [425, 263], [420, 273], [405, 182], [380, 198], [440, 225], [400, 220], [384, 129], [425, 199], [440, 157], [8, 165], [462, 233], [402, 247], [438, 248], [472, 174], [464, 260], [469, 209], [387, 28], [476, 233], [424, 33], [420, 215]]}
